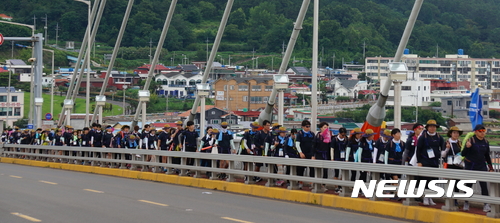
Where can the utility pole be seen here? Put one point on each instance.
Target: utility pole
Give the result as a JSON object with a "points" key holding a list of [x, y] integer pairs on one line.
{"points": [[364, 50], [12, 53], [437, 50], [57, 32], [34, 22], [150, 47], [45, 27], [333, 61], [207, 48], [283, 49]]}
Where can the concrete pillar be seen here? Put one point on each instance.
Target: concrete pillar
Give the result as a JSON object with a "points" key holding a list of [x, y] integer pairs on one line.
{"points": [[281, 105], [202, 115], [397, 104], [143, 114], [100, 115], [68, 116]]}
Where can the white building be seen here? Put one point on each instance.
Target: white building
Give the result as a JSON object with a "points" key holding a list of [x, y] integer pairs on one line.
{"points": [[347, 88], [413, 93], [454, 67], [11, 105], [178, 84]]}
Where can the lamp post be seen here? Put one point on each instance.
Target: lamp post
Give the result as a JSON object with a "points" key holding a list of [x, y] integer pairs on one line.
{"points": [[143, 98], [100, 101], [398, 74], [203, 91], [281, 84], [52, 84], [68, 105], [124, 89], [89, 47]]}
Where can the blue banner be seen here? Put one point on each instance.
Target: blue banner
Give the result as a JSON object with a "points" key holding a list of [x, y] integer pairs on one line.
{"points": [[476, 105]]}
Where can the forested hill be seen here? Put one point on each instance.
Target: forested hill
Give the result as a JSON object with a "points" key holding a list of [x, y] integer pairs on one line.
{"points": [[263, 25]]}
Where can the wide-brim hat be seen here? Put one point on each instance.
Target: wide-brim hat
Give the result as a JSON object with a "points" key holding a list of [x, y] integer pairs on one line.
{"points": [[215, 131], [357, 131], [254, 125], [281, 129], [223, 124], [386, 133], [454, 128], [432, 123], [368, 133], [178, 123], [166, 126]]}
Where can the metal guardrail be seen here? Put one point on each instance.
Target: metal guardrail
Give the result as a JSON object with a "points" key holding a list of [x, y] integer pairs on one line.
{"points": [[89, 156]]}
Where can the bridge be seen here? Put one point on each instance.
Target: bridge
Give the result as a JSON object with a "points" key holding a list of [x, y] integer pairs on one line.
{"points": [[48, 195]]}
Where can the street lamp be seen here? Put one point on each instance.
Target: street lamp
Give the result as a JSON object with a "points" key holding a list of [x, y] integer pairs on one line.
{"points": [[52, 84], [124, 89], [203, 92], [398, 74], [144, 96], [281, 84], [87, 96], [100, 101], [68, 105]]}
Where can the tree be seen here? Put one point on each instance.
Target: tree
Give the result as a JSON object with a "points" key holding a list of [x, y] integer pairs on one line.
{"points": [[495, 114], [435, 104]]}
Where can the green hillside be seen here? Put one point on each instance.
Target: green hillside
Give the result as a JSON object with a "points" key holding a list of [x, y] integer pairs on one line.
{"points": [[263, 26], [79, 107]]}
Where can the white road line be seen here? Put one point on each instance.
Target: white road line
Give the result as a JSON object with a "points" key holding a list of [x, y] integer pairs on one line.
{"points": [[151, 202], [95, 191], [18, 177], [26, 217], [236, 220], [47, 182]]}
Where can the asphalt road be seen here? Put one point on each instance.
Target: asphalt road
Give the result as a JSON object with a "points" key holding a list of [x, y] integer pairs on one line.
{"points": [[32, 194]]}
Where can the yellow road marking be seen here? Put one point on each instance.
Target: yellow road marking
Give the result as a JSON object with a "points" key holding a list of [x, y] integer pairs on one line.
{"points": [[95, 191], [47, 182], [236, 220], [26, 217], [18, 177], [150, 202]]}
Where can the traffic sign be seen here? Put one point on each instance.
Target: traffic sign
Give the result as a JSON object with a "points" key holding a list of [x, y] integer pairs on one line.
{"points": [[30, 126], [48, 116], [1, 39]]}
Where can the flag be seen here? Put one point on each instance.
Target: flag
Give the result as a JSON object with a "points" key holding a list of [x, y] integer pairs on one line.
{"points": [[476, 105]]}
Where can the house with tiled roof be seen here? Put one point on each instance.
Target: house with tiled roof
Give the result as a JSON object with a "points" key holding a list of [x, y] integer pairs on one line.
{"points": [[213, 116], [5, 17]]}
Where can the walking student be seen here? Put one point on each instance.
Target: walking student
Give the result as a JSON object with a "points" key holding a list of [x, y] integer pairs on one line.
{"points": [[453, 147], [305, 143], [477, 158], [338, 151], [352, 146], [429, 147], [365, 151]]}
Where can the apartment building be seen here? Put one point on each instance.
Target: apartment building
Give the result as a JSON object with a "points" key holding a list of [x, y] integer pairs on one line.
{"points": [[247, 93], [11, 105], [454, 67]]}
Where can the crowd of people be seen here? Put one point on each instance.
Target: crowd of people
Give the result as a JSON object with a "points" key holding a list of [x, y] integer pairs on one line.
{"points": [[423, 147]]}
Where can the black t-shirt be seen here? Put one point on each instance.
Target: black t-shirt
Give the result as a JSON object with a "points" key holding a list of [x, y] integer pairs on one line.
{"points": [[226, 139], [307, 142]]}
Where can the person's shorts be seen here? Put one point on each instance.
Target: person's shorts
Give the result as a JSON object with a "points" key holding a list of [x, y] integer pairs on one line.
{"points": [[225, 150]]}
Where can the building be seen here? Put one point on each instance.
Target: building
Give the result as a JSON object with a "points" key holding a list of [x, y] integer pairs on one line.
{"points": [[213, 116], [237, 94], [144, 70], [178, 84], [299, 71], [11, 105], [441, 85], [347, 88], [454, 67], [5, 17], [119, 79], [458, 106], [413, 93]]}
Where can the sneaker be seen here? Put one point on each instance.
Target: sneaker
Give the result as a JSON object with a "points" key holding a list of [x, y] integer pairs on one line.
{"points": [[456, 203], [426, 201], [258, 179], [466, 206], [279, 183], [431, 202], [486, 208], [301, 185], [245, 179]]}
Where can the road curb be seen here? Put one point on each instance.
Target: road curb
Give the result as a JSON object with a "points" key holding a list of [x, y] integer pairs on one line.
{"points": [[385, 208]]}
